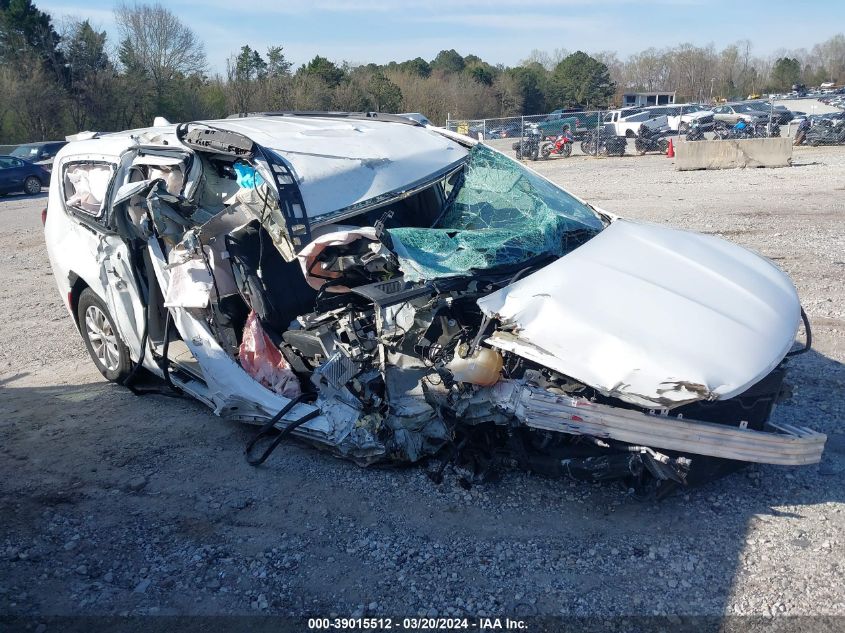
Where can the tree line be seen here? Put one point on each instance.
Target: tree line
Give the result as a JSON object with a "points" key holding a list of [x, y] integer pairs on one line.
{"points": [[57, 79]]}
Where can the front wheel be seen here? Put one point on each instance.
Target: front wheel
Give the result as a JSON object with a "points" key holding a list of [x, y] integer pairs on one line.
{"points": [[663, 146], [639, 146], [32, 185], [566, 151], [107, 350]]}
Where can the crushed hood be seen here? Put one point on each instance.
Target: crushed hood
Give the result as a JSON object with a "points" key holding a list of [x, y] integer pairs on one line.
{"points": [[654, 316]]}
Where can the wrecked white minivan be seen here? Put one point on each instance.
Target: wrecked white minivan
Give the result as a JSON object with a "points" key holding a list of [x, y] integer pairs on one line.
{"points": [[392, 292]]}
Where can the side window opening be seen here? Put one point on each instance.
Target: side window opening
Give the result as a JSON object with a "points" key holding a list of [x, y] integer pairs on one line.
{"points": [[85, 186]]}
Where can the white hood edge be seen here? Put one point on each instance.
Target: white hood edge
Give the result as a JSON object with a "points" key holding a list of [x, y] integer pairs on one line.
{"points": [[655, 316]]}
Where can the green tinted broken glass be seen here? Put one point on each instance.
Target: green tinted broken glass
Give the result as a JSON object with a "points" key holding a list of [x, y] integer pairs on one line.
{"points": [[502, 214]]}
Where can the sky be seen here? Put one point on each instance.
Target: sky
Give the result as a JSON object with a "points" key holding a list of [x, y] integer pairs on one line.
{"points": [[498, 31]]}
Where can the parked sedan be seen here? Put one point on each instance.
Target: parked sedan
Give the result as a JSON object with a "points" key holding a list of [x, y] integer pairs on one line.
{"points": [[17, 174], [733, 113], [506, 130], [780, 113], [39, 153]]}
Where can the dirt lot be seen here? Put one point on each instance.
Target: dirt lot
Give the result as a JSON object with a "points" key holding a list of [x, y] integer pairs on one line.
{"points": [[117, 504]]}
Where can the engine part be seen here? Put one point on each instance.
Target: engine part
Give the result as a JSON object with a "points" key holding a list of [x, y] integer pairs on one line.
{"points": [[483, 367]]}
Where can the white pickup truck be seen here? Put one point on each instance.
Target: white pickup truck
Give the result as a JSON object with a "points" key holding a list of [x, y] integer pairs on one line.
{"points": [[627, 121]]}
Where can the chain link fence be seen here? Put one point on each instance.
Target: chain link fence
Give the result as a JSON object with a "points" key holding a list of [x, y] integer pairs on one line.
{"points": [[619, 131]]}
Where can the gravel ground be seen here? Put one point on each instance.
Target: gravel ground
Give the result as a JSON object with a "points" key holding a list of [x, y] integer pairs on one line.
{"points": [[115, 504]]}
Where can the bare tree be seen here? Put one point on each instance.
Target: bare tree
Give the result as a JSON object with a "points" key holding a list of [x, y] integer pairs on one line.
{"points": [[37, 102], [508, 95], [245, 72], [547, 60], [830, 56], [648, 70], [156, 43], [692, 70]]}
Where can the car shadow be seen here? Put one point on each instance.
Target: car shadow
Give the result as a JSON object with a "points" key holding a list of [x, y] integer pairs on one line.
{"points": [[24, 196], [150, 478]]}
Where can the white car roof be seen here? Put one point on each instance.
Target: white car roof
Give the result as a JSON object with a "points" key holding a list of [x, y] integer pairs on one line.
{"points": [[337, 161]]}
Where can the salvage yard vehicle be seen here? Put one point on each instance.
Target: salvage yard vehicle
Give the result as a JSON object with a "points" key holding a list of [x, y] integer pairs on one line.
{"points": [[17, 174], [603, 143], [578, 122], [650, 140], [826, 132], [391, 292], [627, 122], [685, 115], [732, 113], [39, 153]]}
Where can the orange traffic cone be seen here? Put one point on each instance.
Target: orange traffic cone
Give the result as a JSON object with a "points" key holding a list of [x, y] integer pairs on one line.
{"points": [[670, 153]]}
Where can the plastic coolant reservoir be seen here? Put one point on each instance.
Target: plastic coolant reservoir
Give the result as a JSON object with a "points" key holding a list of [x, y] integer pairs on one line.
{"points": [[482, 368]]}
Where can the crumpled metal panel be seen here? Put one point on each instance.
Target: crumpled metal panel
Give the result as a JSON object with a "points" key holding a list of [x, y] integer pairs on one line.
{"points": [[654, 316]]}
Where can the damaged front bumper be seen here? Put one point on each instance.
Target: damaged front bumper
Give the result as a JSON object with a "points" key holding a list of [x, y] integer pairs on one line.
{"points": [[781, 443]]}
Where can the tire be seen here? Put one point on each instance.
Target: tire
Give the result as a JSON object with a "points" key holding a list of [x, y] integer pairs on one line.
{"points": [[535, 153], [32, 185], [585, 148], [104, 345], [663, 145], [566, 152], [546, 151], [638, 145], [630, 134]]}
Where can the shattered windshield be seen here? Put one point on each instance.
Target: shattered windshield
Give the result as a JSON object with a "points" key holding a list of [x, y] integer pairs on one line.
{"points": [[501, 214]]}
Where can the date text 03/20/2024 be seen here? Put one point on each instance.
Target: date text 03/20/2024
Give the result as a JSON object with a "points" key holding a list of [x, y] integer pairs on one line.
{"points": [[413, 624]]}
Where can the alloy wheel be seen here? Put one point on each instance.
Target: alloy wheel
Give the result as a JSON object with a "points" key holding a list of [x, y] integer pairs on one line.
{"points": [[102, 337], [32, 186]]}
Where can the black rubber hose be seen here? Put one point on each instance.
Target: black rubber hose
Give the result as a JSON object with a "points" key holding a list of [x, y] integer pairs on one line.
{"points": [[127, 382], [270, 425], [808, 336]]}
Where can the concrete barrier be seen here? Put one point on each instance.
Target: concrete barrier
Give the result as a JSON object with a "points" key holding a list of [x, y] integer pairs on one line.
{"points": [[730, 154]]}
